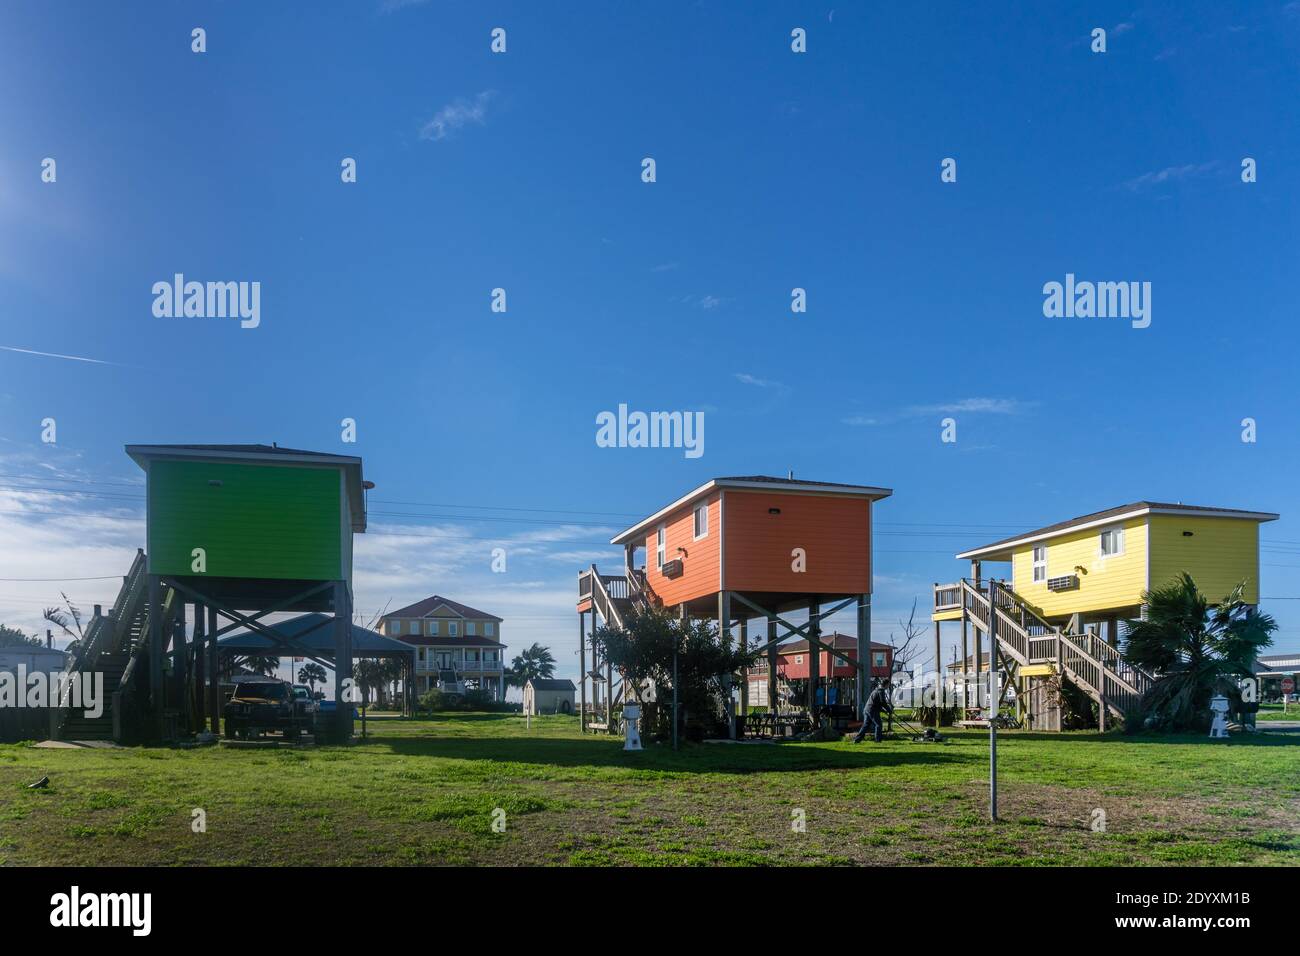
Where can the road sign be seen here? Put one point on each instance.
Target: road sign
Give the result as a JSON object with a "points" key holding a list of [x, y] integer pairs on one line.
{"points": [[1288, 685]]}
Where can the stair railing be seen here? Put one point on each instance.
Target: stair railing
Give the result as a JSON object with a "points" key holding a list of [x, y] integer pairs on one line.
{"points": [[1097, 663], [602, 602], [1087, 659], [103, 636]]}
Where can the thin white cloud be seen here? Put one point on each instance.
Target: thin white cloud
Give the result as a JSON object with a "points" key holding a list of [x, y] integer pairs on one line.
{"points": [[746, 379], [1170, 174], [964, 406], [993, 406], [392, 6], [457, 115]]}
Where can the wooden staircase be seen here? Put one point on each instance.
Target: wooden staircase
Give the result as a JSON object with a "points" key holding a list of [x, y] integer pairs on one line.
{"points": [[107, 648], [115, 645], [613, 597], [1024, 638]]}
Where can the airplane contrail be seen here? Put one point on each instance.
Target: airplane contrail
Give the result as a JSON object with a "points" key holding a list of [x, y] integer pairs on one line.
{"points": [[72, 358]]}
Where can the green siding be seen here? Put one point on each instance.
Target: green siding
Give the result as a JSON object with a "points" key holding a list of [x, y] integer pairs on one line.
{"points": [[263, 521]]}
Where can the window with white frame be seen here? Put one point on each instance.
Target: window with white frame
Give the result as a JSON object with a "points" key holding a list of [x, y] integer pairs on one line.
{"points": [[433, 628], [661, 548], [1112, 542], [489, 629], [702, 520], [469, 629], [453, 628], [1040, 562]]}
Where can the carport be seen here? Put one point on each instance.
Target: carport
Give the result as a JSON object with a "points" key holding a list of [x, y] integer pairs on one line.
{"points": [[309, 636]]}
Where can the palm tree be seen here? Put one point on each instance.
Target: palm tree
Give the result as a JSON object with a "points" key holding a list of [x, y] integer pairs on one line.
{"points": [[1196, 647], [534, 662], [264, 664], [60, 616], [312, 674], [364, 673]]}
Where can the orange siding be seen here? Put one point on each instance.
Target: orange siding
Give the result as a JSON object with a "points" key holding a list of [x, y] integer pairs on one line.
{"points": [[700, 574], [835, 533]]}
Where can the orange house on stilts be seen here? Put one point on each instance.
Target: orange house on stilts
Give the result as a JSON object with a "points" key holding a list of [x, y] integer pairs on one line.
{"points": [[737, 550]]}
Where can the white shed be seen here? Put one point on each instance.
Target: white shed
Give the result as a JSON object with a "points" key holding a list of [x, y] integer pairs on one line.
{"points": [[33, 657], [548, 696]]}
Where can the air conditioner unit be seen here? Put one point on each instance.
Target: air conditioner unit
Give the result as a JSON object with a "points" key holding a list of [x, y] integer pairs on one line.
{"points": [[1067, 582]]}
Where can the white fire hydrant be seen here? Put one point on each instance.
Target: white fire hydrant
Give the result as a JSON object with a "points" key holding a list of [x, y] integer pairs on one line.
{"points": [[632, 714], [1219, 708]]}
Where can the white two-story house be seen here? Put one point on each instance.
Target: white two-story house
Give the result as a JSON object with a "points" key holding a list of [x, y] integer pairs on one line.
{"points": [[457, 647]]}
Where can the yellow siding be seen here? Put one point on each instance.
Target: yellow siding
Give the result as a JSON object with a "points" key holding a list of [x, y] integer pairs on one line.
{"points": [[1104, 583], [1221, 553]]}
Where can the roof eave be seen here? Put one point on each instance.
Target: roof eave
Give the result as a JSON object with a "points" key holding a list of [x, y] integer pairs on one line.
{"points": [[846, 491], [1002, 551]]}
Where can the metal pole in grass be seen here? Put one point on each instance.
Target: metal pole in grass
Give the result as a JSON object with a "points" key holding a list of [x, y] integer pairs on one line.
{"points": [[993, 701], [674, 695]]}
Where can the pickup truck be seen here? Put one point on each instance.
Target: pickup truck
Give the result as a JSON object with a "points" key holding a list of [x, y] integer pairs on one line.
{"points": [[268, 704]]}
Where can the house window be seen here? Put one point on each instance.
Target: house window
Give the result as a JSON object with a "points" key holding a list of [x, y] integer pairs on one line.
{"points": [[433, 628], [1040, 562], [701, 521], [489, 629], [469, 628], [1112, 542], [878, 659], [453, 628], [661, 547]]}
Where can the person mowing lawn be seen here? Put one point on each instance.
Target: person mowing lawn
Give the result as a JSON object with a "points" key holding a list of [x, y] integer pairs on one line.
{"points": [[877, 701]]}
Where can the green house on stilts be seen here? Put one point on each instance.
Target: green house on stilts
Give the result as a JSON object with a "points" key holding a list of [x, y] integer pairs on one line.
{"points": [[234, 533]]}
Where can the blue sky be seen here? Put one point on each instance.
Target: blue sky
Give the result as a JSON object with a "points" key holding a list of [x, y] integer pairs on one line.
{"points": [[522, 171]]}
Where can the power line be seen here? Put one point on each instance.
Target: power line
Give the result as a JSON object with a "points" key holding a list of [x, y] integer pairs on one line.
{"points": [[102, 577]]}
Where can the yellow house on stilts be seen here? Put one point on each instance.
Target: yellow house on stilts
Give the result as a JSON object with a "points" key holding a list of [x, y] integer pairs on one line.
{"points": [[1071, 585]]}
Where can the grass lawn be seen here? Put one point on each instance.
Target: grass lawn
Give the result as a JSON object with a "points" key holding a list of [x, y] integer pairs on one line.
{"points": [[1275, 712], [424, 792]]}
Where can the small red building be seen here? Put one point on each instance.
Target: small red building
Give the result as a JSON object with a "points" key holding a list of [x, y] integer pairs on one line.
{"points": [[793, 663]]}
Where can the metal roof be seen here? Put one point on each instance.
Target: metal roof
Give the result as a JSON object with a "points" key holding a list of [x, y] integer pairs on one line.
{"points": [[365, 642], [548, 683], [763, 482], [1001, 550], [351, 464]]}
